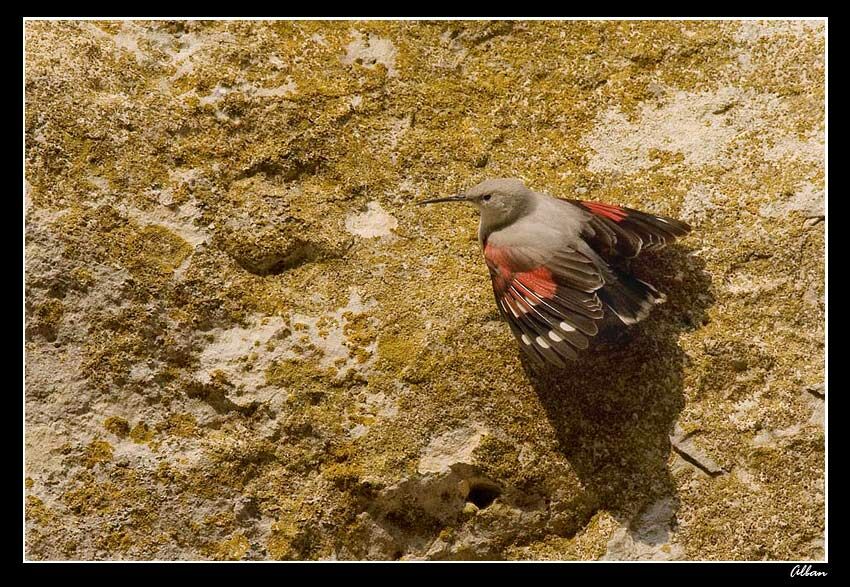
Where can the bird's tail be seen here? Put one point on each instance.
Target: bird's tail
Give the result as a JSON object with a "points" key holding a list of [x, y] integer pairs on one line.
{"points": [[629, 298]]}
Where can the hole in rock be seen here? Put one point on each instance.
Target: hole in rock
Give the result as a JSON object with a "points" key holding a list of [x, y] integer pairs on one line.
{"points": [[483, 494]]}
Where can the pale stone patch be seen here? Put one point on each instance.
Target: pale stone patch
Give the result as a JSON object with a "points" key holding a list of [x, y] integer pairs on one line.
{"points": [[818, 407], [243, 354], [398, 127], [701, 202], [378, 405], [744, 417], [332, 343], [329, 340], [129, 36], [287, 89], [702, 126], [101, 183], [374, 222], [748, 284], [382, 405], [60, 369], [233, 344], [357, 431], [812, 297], [792, 148], [184, 175], [686, 445], [180, 219], [746, 478], [370, 51], [772, 437], [190, 44], [651, 537], [453, 447], [126, 39], [684, 125], [219, 92], [753, 30], [808, 199], [39, 137]]}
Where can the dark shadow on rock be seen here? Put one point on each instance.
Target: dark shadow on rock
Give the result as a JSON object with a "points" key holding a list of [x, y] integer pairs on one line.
{"points": [[614, 409]]}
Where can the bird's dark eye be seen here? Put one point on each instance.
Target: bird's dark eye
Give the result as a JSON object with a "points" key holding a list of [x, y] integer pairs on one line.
{"points": [[487, 197]]}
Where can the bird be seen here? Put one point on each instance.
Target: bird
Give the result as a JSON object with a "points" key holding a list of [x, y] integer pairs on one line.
{"points": [[556, 264]]}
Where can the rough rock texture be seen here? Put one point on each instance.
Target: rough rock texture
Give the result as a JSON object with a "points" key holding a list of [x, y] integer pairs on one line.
{"points": [[244, 341]]}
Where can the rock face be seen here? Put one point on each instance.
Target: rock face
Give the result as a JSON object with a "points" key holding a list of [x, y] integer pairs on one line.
{"points": [[244, 341]]}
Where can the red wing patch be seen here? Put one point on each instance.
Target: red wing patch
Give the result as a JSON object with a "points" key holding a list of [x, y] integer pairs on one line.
{"points": [[549, 318], [625, 231], [505, 271], [539, 280], [610, 211]]}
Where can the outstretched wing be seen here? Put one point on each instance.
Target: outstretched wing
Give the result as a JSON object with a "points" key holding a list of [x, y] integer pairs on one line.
{"points": [[549, 300], [624, 231]]}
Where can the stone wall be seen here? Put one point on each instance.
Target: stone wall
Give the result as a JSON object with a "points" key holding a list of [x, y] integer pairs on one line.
{"points": [[245, 341]]}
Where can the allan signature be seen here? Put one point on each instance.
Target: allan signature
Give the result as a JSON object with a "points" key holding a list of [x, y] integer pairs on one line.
{"points": [[806, 571]]}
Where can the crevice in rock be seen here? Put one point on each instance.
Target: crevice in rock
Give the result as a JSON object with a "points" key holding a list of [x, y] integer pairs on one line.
{"points": [[298, 253], [483, 494], [819, 391], [708, 467], [284, 169], [218, 400], [303, 252]]}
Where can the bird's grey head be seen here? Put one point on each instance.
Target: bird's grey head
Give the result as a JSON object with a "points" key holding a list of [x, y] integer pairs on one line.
{"points": [[500, 201]]}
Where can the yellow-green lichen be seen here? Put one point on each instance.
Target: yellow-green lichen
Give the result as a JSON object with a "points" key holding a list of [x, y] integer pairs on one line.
{"points": [[117, 426], [98, 451], [141, 432]]}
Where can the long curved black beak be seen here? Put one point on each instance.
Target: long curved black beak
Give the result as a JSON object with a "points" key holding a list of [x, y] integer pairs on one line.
{"points": [[457, 198]]}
